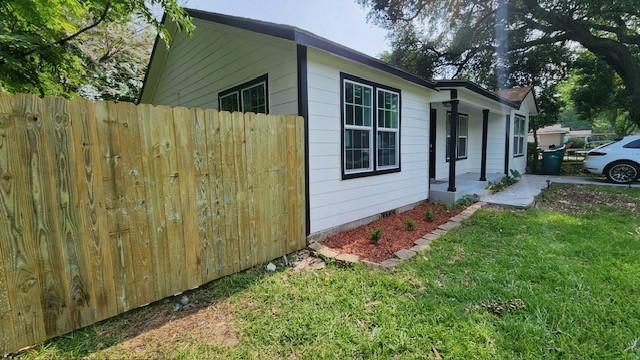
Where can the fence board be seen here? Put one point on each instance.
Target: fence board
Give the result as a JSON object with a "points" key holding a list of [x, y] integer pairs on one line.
{"points": [[107, 206]]}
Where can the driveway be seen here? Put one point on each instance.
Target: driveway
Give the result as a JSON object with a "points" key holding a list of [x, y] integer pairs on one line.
{"points": [[524, 192]]}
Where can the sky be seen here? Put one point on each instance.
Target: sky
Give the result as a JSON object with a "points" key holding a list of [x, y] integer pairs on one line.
{"points": [[343, 21]]}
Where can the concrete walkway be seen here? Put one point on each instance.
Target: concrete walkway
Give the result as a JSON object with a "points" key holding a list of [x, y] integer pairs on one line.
{"points": [[524, 192]]}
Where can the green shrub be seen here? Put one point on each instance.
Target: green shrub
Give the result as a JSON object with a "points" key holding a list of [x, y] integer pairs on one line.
{"points": [[428, 215], [466, 201], [375, 234], [507, 180], [409, 224]]}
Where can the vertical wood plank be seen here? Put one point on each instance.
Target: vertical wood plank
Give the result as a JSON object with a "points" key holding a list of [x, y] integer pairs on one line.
{"points": [[240, 179], [153, 166], [183, 120], [45, 215], [216, 250], [203, 189], [251, 140], [57, 124], [95, 237], [231, 239], [138, 259], [301, 198], [292, 184], [282, 185]]}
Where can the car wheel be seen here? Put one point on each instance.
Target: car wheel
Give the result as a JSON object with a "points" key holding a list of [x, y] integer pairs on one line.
{"points": [[622, 172]]}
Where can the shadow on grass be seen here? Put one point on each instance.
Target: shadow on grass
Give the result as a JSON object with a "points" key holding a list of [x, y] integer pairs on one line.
{"points": [[138, 322]]}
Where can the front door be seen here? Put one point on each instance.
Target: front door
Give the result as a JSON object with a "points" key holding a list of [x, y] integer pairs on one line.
{"points": [[432, 144]]}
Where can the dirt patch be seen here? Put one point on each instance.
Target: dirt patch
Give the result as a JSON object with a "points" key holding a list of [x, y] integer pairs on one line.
{"points": [[395, 237], [162, 329], [581, 199]]}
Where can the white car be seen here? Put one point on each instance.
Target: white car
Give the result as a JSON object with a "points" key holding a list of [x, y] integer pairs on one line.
{"points": [[619, 161]]}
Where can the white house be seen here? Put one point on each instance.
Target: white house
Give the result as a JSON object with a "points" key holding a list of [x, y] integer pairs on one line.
{"points": [[375, 134]]}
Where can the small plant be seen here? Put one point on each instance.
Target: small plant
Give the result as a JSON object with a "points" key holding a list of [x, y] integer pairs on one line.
{"points": [[409, 224], [506, 181], [428, 215], [375, 234], [467, 201]]}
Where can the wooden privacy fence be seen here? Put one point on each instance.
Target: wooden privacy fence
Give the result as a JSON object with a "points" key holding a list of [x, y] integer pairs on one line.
{"points": [[109, 206]]}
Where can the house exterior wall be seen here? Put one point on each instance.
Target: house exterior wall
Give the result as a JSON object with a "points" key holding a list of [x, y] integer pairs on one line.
{"points": [[333, 201], [217, 57], [495, 142]]}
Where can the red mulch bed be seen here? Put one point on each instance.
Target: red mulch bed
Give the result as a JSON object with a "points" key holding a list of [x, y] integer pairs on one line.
{"points": [[395, 237]]}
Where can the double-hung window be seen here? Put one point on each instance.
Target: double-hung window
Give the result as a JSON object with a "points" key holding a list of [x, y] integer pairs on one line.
{"points": [[519, 133], [462, 143], [388, 104], [371, 128], [251, 96]]}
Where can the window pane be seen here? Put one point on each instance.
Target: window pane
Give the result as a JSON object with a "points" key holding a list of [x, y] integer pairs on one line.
{"points": [[633, 145], [356, 149], [463, 126], [521, 145], [367, 97], [462, 147], [253, 99], [348, 92], [229, 102], [387, 148], [358, 115]]}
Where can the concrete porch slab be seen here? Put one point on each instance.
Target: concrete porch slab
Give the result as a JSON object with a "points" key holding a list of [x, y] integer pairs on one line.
{"points": [[467, 184]]}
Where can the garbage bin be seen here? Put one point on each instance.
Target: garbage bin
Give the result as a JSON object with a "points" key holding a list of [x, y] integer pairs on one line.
{"points": [[552, 161]]}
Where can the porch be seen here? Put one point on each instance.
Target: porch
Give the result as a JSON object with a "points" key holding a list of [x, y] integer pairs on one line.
{"points": [[467, 184]]}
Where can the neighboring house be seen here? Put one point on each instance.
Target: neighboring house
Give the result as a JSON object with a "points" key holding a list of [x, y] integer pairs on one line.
{"points": [[552, 136], [375, 134]]}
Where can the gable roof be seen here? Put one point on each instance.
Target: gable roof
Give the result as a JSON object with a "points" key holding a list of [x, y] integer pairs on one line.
{"points": [[306, 38]]}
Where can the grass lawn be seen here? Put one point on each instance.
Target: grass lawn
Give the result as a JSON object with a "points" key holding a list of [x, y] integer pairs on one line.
{"points": [[559, 283]]}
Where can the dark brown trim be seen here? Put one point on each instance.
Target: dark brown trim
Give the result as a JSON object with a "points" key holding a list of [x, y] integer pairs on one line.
{"points": [[453, 134], [374, 110], [238, 88], [507, 152], [303, 110], [444, 84], [433, 126], [517, 156], [485, 133]]}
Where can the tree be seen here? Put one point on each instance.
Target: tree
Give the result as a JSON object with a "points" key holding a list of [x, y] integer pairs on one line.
{"points": [[116, 55], [466, 33], [39, 49], [599, 96]]}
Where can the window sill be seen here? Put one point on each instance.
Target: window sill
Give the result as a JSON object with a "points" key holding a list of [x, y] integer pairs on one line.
{"points": [[369, 173], [518, 156]]}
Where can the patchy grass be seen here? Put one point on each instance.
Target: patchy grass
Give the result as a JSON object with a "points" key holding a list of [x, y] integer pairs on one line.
{"points": [[513, 284]]}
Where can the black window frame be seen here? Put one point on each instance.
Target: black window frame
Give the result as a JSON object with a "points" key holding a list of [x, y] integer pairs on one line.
{"points": [[634, 144], [374, 107], [239, 88], [516, 152], [446, 155]]}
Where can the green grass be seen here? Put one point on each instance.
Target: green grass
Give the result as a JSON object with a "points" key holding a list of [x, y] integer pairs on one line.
{"points": [[578, 275]]}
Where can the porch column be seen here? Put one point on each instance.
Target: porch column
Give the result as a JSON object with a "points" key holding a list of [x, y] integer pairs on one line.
{"points": [[485, 132], [453, 140]]}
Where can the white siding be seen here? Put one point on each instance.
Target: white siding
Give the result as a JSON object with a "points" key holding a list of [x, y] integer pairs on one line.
{"points": [[217, 57], [495, 142], [334, 201]]}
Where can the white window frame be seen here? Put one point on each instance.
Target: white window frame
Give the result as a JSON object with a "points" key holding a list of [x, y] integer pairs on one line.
{"points": [[239, 90], [519, 136], [396, 131], [357, 127], [448, 136]]}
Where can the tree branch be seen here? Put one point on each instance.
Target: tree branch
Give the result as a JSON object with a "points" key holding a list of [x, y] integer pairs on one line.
{"points": [[100, 19]]}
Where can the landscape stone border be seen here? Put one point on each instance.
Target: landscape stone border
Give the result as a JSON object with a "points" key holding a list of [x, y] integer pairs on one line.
{"points": [[420, 246]]}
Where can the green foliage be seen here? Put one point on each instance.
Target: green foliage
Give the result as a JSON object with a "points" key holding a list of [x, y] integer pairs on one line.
{"points": [[508, 43], [375, 234], [505, 182], [466, 201], [428, 215], [599, 96], [41, 41], [409, 224]]}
